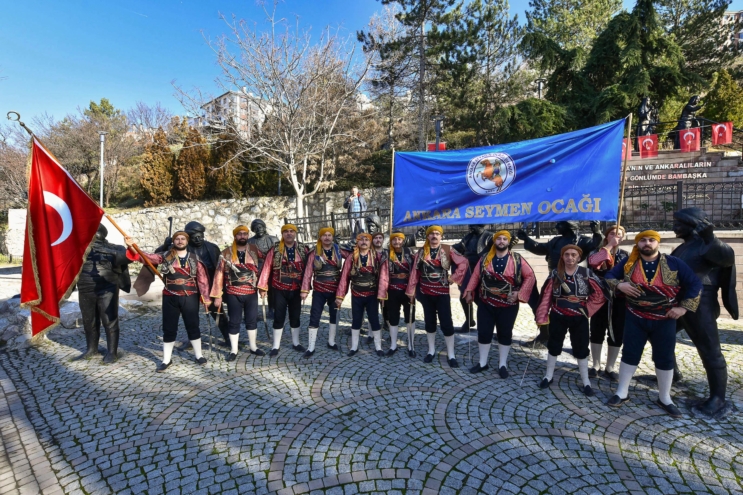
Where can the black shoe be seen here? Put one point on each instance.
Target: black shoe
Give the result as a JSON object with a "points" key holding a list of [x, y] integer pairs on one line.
{"points": [[110, 358], [162, 367], [453, 363], [477, 368], [274, 352], [428, 358], [616, 401], [258, 352], [380, 353], [545, 384], [390, 352], [503, 372], [411, 353], [352, 353], [334, 347], [232, 356], [201, 361], [612, 375], [308, 354], [299, 348], [592, 373], [587, 390], [670, 409]]}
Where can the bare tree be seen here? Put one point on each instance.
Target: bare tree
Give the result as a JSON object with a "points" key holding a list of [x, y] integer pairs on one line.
{"points": [[13, 153], [147, 119], [298, 92]]}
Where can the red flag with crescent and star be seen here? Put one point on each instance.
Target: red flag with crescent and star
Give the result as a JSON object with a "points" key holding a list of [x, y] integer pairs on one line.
{"points": [[625, 150], [61, 222], [648, 146], [689, 139], [722, 133]]}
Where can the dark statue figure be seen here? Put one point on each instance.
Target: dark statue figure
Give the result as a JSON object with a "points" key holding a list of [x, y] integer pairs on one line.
{"points": [[568, 234], [648, 118], [263, 242], [713, 261], [688, 119], [104, 273], [471, 246]]}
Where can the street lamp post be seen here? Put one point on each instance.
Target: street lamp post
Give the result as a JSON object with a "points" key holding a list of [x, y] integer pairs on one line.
{"points": [[437, 121], [540, 83], [103, 141]]}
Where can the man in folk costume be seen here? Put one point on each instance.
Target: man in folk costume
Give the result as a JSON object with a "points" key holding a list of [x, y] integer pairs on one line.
{"points": [[429, 282], [503, 279], [186, 281], [570, 296], [659, 290], [378, 242], [366, 273], [283, 271], [235, 281], [601, 261], [399, 264], [323, 272]]}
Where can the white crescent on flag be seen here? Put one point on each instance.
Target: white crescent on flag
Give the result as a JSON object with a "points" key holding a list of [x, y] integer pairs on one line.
{"points": [[61, 207], [720, 129], [688, 133], [647, 143]]}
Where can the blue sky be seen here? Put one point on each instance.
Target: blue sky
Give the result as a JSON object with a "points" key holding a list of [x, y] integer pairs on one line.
{"points": [[58, 55]]}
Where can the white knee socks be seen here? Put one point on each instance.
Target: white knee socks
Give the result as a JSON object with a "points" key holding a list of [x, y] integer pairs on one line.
{"points": [[355, 339], [233, 343], [331, 334], [377, 339], [665, 380], [252, 334], [551, 361], [311, 338], [626, 372], [484, 351], [431, 343], [393, 337], [295, 336], [411, 336], [196, 344], [167, 351], [449, 346], [277, 337], [503, 355], [611, 358], [583, 368], [596, 356]]}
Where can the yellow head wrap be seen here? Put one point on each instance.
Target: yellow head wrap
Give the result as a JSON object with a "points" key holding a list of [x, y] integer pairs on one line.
{"points": [[372, 252], [426, 245], [491, 253], [235, 231], [635, 254], [323, 231], [286, 227], [395, 235]]}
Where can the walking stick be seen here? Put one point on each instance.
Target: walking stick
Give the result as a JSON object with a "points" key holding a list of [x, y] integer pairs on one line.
{"points": [[265, 321], [411, 338], [469, 340], [337, 329], [211, 331], [527, 362]]}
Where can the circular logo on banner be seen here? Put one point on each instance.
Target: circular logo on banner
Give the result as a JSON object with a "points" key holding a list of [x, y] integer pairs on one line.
{"points": [[491, 173]]}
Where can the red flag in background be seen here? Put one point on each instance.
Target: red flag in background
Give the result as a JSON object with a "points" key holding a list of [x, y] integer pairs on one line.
{"points": [[61, 222], [626, 149], [722, 133], [689, 139], [648, 146]]}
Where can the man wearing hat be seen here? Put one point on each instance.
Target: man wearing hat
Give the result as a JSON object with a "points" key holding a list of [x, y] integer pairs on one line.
{"points": [[235, 280], [186, 281], [601, 261], [264, 243], [570, 296], [323, 272], [399, 264], [429, 282], [659, 290], [365, 271], [283, 270], [503, 279]]}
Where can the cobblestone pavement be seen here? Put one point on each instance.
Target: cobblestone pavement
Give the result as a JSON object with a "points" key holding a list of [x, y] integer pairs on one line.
{"points": [[339, 425]]}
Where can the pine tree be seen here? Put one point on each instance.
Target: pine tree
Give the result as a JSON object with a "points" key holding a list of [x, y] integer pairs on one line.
{"points": [[224, 176], [190, 166], [571, 23], [157, 170], [724, 103]]}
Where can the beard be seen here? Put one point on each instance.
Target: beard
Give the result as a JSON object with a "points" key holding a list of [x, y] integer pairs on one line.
{"points": [[241, 242], [648, 251], [501, 249]]}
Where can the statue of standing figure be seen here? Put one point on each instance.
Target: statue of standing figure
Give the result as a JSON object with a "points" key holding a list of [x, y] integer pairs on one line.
{"points": [[713, 261], [687, 120], [648, 114]]}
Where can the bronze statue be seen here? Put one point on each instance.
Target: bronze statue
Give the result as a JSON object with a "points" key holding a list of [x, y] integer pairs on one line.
{"points": [[687, 119], [648, 114], [264, 243], [713, 261], [104, 273], [568, 234]]}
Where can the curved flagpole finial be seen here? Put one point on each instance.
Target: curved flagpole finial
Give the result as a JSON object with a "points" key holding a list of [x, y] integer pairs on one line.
{"points": [[18, 119]]}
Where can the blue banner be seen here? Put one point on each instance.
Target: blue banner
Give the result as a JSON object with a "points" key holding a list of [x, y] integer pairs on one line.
{"points": [[572, 176]]}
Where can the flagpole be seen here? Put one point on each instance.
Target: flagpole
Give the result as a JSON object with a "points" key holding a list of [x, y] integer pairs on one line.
{"points": [[392, 188], [136, 248], [627, 152], [18, 119]]}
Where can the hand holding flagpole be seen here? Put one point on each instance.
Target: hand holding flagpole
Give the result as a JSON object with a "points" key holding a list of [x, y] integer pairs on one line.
{"points": [[142, 256]]}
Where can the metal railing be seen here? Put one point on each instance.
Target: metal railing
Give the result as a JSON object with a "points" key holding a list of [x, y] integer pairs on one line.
{"points": [[645, 207], [9, 259], [667, 134]]}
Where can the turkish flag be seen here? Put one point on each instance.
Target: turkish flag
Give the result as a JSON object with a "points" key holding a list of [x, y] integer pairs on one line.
{"points": [[648, 146], [626, 149], [722, 133], [61, 222], [689, 139]]}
